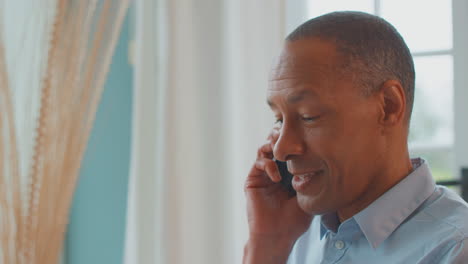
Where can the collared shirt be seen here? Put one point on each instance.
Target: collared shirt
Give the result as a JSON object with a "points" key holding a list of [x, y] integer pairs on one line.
{"points": [[416, 221]]}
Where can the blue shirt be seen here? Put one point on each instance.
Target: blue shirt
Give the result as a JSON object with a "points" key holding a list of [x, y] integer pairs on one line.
{"points": [[416, 221]]}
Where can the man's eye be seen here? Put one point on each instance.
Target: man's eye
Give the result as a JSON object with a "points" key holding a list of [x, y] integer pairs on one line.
{"points": [[279, 121], [310, 119]]}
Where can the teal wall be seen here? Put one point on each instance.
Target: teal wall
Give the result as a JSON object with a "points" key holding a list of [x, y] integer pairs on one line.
{"points": [[97, 222]]}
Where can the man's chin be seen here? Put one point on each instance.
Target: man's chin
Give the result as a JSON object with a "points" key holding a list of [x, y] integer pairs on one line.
{"points": [[311, 205]]}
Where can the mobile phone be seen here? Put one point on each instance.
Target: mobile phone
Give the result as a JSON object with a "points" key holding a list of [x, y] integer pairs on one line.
{"points": [[286, 177]]}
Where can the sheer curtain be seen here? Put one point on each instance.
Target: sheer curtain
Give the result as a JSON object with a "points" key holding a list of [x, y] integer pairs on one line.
{"points": [[200, 113], [54, 57]]}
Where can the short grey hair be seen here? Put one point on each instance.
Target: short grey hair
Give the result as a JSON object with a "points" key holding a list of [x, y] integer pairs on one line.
{"points": [[373, 50]]}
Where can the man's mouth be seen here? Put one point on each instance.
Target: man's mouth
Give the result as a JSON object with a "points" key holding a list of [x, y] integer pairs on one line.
{"points": [[308, 173], [302, 180]]}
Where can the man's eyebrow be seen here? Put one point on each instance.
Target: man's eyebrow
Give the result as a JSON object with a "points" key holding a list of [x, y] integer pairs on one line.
{"points": [[292, 98]]}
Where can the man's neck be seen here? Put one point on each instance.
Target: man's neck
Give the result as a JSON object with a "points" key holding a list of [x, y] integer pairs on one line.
{"points": [[393, 171]]}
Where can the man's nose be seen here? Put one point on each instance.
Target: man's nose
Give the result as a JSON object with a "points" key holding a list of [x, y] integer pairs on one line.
{"points": [[290, 143]]}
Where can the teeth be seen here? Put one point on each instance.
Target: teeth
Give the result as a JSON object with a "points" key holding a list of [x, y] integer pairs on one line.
{"points": [[304, 176]]}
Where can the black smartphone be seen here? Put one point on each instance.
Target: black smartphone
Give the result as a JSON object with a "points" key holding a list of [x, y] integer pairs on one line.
{"points": [[286, 177]]}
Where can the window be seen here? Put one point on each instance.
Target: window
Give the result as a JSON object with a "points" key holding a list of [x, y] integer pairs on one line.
{"points": [[428, 27]]}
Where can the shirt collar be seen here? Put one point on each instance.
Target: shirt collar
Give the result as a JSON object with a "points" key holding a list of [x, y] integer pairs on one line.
{"points": [[378, 221]]}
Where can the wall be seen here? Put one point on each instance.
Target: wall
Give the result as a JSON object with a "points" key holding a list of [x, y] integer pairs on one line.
{"points": [[97, 222]]}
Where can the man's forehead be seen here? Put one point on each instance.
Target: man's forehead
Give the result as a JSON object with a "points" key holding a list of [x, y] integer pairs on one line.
{"points": [[298, 81], [294, 96], [292, 69], [289, 74]]}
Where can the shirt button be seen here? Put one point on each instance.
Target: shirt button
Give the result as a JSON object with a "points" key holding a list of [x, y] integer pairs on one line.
{"points": [[339, 244]]}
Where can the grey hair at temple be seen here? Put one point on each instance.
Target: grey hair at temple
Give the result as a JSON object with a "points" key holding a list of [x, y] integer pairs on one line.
{"points": [[372, 49]]}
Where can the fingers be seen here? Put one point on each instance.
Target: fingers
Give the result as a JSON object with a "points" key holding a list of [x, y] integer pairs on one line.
{"points": [[269, 166], [274, 135], [265, 151], [265, 171]]}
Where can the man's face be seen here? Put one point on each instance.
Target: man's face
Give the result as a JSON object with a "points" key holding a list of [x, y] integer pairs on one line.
{"points": [[329, 131]]}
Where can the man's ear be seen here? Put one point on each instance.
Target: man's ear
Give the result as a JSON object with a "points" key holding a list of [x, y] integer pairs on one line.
{"points": [[393, 103]]}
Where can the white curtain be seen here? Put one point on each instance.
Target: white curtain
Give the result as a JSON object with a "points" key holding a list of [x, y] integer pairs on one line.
{"points": [[54, 58], [26, 27], [200, 112]]}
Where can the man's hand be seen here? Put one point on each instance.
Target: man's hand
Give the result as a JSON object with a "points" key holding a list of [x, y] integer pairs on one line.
{"points": [[275, 219]]}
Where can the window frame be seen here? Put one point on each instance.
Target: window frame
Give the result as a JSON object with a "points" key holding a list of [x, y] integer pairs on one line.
{"points": [[460, 83]]}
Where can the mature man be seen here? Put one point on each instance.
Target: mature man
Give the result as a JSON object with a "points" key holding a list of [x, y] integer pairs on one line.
{"points": [[342, 93]]}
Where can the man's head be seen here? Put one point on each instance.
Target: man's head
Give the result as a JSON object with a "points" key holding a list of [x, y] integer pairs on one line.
{"points": [[343, 92], [370, 47]]}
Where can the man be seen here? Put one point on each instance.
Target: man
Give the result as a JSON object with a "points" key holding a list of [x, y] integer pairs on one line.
{"points": [[342, 93]]}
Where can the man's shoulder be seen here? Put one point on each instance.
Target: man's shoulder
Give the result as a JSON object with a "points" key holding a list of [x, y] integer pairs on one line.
{"points": [[445, 212], [437, 231]]}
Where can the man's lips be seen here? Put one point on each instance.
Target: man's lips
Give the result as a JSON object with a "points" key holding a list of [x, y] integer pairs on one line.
{"points": [[301, 180]]}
